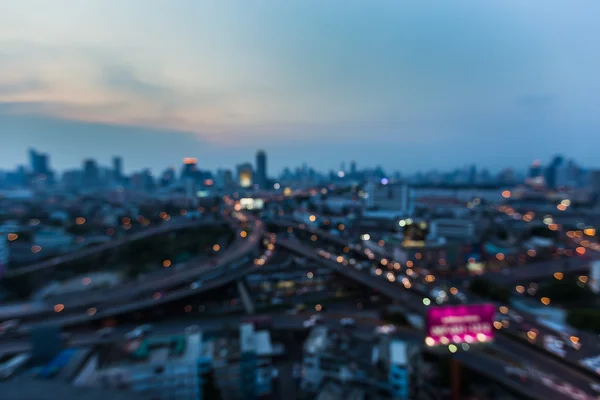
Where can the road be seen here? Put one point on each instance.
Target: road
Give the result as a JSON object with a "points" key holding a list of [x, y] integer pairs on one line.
{"points": [[231, 268], [590, 345], [541, 270], [413, 302], [123, 297], [406, 297], [531, 271], [146, 233]]}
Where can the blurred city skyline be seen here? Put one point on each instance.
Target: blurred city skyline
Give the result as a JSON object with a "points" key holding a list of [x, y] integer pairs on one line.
{"points": [[405, 86]]}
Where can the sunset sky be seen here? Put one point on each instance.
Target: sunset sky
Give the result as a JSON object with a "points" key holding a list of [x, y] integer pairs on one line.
{"points": [[405, 84]]}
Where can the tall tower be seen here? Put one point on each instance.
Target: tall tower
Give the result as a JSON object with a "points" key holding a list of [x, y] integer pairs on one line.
{"points": [[38, 162], [118, 168], [91, 173], [261, 169], [245, 175]]}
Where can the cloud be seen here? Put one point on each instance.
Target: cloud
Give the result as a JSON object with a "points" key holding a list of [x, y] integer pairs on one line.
{"points": [[122, 78], [25, 86], [69, 141], [42, 108]]}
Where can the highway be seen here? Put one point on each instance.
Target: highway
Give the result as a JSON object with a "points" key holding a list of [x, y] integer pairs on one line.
{"points": [[146, 233], [413, 302], [531, 271], [540, 270], [124, 296], [232, 268], [238, 261]]}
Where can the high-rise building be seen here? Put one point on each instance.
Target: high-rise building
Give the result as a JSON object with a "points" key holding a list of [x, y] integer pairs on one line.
{"points": [[353, 168], [261, 169], [245, 175], [118, 168], [370, 195], [594, 179], [91, 173], [228, 178], [552, 171], [536, 169], [38, 162], [472, 174], [4, 250], [407, 204], [190, 168]]}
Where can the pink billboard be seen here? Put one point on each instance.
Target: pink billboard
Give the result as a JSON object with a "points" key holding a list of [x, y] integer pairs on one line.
{"points": [[469, 324]]}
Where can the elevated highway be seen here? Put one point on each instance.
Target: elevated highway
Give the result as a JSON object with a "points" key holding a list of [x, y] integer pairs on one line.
{"points": [[55, 262], [590, 346], [412, 301], [127, 296], [531, 271]]}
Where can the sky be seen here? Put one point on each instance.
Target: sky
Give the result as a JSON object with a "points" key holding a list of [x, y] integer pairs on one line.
{"points": [[408, 85]]}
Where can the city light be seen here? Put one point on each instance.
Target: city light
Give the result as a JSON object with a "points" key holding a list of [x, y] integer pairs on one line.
{"points": [[451, 318], [545, 301], [558, 275]]}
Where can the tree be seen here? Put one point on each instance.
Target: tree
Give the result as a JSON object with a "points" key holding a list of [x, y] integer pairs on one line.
{"points": [[566, 292], [585, 319], [494, 292], [210, 389], [395, 318]]}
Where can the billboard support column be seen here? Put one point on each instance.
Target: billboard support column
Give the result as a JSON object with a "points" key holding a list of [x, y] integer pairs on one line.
{"points": [[455, 378]]}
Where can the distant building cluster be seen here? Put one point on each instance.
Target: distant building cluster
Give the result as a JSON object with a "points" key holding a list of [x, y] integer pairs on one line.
{"points": [[191, 178], [94, 177]]}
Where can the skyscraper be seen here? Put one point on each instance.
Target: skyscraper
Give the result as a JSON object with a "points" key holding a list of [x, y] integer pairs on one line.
{"points": [[536, 169], [245, 175], [118, 168], [552, 170], [91, 173], [190, 168], [38, 162], [261, 169]]}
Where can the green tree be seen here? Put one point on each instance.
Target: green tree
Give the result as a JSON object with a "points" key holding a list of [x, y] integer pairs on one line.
{"points": [[585, 319], [210, 389], [566, 292], [494, 292], [394, 318]]}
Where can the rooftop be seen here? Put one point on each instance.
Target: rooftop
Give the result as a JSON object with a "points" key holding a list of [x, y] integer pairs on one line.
{"points": [[25, 388]]}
